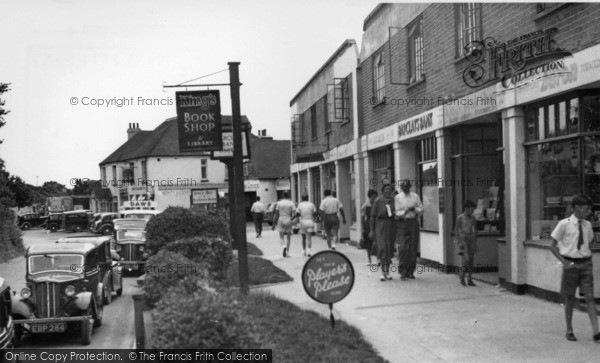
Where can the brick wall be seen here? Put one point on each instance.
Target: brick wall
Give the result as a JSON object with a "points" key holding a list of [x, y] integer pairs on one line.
{"points": [[578, 28]]}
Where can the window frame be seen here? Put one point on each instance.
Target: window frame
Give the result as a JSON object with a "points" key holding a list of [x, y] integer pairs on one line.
{"points": [[463, 13], [379, 77], [415, 52]]}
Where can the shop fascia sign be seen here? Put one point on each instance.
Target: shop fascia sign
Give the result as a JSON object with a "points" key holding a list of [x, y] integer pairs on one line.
{"points": [[251, 185], [507, 62], [420, 124], [382, 137], [139, 204], [283, 184], [202, 196]]}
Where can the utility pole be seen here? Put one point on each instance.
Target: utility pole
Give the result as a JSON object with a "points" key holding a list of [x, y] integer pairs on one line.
{"points": [[238, 177]]}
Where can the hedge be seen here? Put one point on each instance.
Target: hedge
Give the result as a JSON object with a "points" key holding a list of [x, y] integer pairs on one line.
{"points": [[176, 223], [166, 269], [212, 251], [198, 318]]}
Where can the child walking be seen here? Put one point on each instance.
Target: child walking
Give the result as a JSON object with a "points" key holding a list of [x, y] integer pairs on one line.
{"points": [[466, 237]]}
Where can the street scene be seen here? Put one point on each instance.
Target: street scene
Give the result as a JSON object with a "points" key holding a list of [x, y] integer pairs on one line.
{"points": [[318, 181]]}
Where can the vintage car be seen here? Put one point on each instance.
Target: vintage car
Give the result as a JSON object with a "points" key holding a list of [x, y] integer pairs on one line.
{"points": [[67, 284], [54, 221], [7, 331], [145, 214], [75, 221], [130, 242], [103, 223], [30, 220]]}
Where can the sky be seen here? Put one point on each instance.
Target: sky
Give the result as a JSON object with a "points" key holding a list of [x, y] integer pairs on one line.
{"points": [[71, 63]]}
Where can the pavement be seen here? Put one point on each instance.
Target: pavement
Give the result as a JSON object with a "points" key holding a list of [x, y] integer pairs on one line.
{"points": [[433, 318]]}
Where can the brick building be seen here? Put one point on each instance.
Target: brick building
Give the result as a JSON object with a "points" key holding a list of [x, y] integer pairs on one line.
{"points": [[325, 134], [497, 103]]}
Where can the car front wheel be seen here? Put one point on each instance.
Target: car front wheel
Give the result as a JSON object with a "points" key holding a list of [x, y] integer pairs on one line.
{"points": [[53, 227], [87, 327], [26, 226], [107, 292], [98, 313], [106, 231]]}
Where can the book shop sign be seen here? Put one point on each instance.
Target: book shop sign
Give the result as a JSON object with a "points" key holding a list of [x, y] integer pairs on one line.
{"points": [[199, 120]]}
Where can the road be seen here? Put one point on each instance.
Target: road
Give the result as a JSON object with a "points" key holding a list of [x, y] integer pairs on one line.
{"points": [[117, 330]]}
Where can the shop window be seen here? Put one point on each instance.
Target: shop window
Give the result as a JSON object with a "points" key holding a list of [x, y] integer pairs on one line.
{"points": [[378, 77], [560, 168], [383, 165], [468, 27], [478, 174], [428, 184], [415, 51]]}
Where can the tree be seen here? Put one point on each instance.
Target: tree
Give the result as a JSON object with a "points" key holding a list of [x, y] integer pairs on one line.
{"points": [[54, 189], [82, 187], [3, 112]]}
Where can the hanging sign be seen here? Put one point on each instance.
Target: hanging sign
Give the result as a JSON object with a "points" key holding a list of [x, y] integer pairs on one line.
{"points": [[199, 120], [328, 277]]}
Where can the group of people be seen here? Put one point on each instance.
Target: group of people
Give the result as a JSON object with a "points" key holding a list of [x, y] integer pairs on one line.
{"points": [[285, 213], [392, 220]]}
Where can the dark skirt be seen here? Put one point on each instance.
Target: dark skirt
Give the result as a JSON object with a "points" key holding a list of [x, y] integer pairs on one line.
{"points": [[384, 238]]}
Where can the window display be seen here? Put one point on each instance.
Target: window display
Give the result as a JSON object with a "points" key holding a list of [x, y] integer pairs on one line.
{"points": [[563, 160]]}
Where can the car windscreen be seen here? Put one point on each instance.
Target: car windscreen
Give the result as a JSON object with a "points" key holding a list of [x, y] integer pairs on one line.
{"points": [[131, 234], [55, 263]]}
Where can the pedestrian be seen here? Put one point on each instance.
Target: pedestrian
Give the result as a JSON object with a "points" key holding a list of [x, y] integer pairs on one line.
{"points": [[365, 213], [258, 210], [284, 212], [465, 233], [329, 209], [306, 211], [408, 209], [382, 229], [571, 245]]}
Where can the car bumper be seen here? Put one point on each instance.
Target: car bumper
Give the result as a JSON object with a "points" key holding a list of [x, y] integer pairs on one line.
{"points": [[65, 319]]}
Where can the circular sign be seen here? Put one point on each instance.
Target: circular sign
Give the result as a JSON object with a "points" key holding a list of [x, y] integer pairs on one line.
{"points": [[328, 277]]}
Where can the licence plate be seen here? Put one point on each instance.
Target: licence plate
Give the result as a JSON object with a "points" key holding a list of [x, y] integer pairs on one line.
{"points": [[49, 328]]}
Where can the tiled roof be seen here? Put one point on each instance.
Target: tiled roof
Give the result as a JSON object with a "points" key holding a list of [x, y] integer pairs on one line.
{"points": [[162, 141], [270, 159]]}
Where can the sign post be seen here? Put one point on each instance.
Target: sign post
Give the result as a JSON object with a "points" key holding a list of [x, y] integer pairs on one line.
{"points": [[328, 277], [199, 126], [238, 177]]}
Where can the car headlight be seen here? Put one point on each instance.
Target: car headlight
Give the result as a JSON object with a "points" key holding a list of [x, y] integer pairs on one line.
{"points": [[141, 248], [118, 248], [70, 290], [25, 293]]}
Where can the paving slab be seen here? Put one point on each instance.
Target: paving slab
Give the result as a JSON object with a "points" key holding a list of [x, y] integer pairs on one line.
{"points": [[433, 318]]}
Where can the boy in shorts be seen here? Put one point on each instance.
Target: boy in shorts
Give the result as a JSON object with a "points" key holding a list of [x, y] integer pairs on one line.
{"points": [[284, 212], [306, 212], [466, 236], [571, 245]]}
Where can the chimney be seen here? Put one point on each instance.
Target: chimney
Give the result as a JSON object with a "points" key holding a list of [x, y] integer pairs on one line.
{"points": [[133, 129], [262, 134]]}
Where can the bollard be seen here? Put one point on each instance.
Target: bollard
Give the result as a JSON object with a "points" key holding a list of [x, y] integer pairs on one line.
{"points": [[140, 330]]}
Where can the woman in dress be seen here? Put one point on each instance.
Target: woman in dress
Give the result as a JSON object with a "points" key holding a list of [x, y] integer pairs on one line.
{"points": [[382, 229]]}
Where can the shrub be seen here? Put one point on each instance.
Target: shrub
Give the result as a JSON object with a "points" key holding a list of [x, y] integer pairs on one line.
{"points": [[11, 242], [214, 252], [176, 223], [198, 318], [167, 269]]}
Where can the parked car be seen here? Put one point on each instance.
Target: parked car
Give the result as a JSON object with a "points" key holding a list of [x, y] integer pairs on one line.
{"points": [[67, 284], [7, 331], [75, 221], [103, 223], [53, 221], [130, 242], [30, 220]]}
